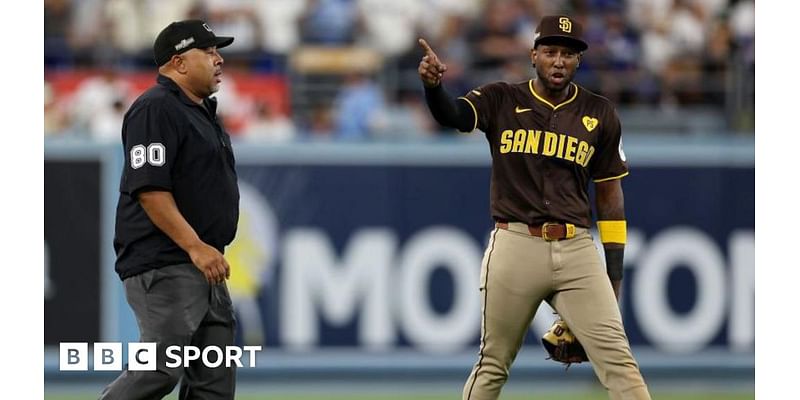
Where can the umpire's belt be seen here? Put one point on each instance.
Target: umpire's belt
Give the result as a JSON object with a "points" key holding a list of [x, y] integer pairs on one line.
{"points": [[548, 231]]}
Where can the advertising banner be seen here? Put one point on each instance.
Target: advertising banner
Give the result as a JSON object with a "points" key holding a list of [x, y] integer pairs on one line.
{"points": [[388, 257]]}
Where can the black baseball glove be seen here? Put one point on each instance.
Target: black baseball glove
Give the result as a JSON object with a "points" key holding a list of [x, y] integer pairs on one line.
{"points": [[562, 345]]}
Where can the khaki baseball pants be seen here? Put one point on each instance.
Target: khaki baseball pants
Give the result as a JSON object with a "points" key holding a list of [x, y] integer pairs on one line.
{"points": [[518, 272]]}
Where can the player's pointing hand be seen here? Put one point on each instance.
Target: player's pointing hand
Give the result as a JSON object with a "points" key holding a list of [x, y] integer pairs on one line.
{"points": [[431, 70]]}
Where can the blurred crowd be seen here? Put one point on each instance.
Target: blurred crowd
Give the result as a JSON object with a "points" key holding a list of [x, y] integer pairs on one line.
{"points": [[350, 65]]}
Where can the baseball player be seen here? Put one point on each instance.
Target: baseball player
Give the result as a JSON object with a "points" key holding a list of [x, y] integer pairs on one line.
{"points": [[548, 138]]}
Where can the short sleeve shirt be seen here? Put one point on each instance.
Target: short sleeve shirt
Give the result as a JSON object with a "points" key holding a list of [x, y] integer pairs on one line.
{"points": [[175, 145], [544, 154]]}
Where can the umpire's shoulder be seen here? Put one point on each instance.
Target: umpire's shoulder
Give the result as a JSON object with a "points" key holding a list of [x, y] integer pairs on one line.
{"points": [[155, 98]]}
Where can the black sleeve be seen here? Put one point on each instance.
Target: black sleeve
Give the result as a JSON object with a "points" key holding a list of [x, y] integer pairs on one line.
{"points": [[151, 142], [449, 112]]}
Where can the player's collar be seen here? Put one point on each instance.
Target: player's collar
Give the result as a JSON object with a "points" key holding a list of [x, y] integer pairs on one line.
{"points": [[554, 107]]}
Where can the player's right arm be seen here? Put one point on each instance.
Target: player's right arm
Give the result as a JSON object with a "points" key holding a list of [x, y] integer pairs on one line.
{"points": [[163, 212], [444, 108]]}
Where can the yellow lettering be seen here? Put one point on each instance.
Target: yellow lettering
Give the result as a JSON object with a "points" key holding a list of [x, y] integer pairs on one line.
{"points": [[561, 138], [505, 141], [588, 156], [532, 145], [519, 141], [550, 143], [569, 155], [580, 157]]}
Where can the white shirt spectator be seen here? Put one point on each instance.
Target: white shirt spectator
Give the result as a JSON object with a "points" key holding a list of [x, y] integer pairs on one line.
{"points": [[432, 19], [657, 49], [743, 20], [279, 26], [98, 106], [136, 23], [234, 18], [687, 29], [391, 25], [645, 14], [269, 126]]}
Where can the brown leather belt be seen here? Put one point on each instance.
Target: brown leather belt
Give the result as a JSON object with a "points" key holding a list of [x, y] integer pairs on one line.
{"points": [[548, 231]]}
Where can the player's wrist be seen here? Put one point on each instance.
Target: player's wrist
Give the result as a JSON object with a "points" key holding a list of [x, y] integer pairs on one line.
{"points": [[614, 262], [432, 84]]}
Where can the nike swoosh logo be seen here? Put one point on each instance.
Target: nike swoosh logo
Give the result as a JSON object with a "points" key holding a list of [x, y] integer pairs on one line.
{"points": [[521, 110]]}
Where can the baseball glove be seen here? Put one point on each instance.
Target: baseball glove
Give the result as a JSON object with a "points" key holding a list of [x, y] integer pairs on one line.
{"points": [[562, 345]]}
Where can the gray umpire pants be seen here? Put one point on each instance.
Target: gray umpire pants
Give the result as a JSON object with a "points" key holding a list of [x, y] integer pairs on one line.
{"points": [[176, 305]]}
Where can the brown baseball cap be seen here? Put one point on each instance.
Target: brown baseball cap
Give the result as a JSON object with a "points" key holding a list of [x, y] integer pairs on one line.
{"points": [[559, 29]]}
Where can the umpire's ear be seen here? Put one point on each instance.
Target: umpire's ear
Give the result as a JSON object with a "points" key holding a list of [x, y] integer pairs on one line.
{"points": [[178, 63]]}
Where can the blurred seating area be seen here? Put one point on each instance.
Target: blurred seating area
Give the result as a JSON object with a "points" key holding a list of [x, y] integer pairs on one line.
{"points": [[347, 69]]}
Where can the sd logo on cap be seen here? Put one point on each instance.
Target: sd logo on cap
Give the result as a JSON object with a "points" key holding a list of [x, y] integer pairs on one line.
{"points": [[560, 29]]}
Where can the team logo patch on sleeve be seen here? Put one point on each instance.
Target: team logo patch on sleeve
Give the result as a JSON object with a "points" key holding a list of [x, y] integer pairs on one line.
{"points": [[589, 122]]}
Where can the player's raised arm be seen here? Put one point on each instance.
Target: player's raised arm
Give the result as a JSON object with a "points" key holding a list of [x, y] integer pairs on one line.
{"points": [[431, 69], [444, 108]]}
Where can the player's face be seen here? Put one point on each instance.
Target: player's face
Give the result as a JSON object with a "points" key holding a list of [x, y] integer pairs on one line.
{"points": [[555, 65], [204, 70]]}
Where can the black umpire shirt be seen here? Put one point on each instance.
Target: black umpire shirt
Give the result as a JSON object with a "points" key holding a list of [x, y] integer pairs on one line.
{"points": [[176, 145]]}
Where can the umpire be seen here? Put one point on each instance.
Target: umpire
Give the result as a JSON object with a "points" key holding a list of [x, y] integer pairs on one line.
{"points": [[178, 209]]}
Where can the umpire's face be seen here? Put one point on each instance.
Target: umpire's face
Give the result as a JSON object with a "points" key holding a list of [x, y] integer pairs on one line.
{"points": [[555, 64], [203, 70]]}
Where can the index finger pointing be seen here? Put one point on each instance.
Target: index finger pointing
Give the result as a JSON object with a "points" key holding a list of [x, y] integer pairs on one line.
{"points": [[426, 47]]}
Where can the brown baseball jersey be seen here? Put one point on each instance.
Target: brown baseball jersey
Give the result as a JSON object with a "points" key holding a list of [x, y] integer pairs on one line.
{"points": [[544, 154]]}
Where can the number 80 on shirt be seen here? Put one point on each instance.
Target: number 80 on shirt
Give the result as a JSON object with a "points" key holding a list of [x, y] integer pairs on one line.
{"points": [[154, 155]]}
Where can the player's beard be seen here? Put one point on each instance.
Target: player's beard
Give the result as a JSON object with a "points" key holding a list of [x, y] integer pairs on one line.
{"points": [[551, 86]]}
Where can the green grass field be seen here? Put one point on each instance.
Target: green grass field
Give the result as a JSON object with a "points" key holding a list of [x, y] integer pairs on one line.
{"points": [[548, 396]]}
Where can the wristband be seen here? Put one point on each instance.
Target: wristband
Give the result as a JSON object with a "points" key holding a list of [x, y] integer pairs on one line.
{"points": [[612, 231]]}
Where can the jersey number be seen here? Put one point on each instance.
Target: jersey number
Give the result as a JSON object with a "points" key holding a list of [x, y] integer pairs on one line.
{"points": [[154, 154]]}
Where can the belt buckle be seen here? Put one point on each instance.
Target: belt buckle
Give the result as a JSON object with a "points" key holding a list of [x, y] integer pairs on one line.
{"points": [[544, 231]]}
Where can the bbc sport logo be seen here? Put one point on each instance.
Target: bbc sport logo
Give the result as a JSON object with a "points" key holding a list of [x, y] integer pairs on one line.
{"points": [[107, 356]]}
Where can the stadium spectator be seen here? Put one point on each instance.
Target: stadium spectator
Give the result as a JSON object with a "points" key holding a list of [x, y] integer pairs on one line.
{"points": [[498, 37], [99, 104], [278, 21], [55, 118], [329, 22], [390, 25], [238, 19], [57, 33], [360, 108], [269, 125], [639, 48]]}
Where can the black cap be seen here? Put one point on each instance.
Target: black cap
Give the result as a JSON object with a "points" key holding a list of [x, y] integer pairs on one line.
{"points": [[560, 29], [181, 36]]}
